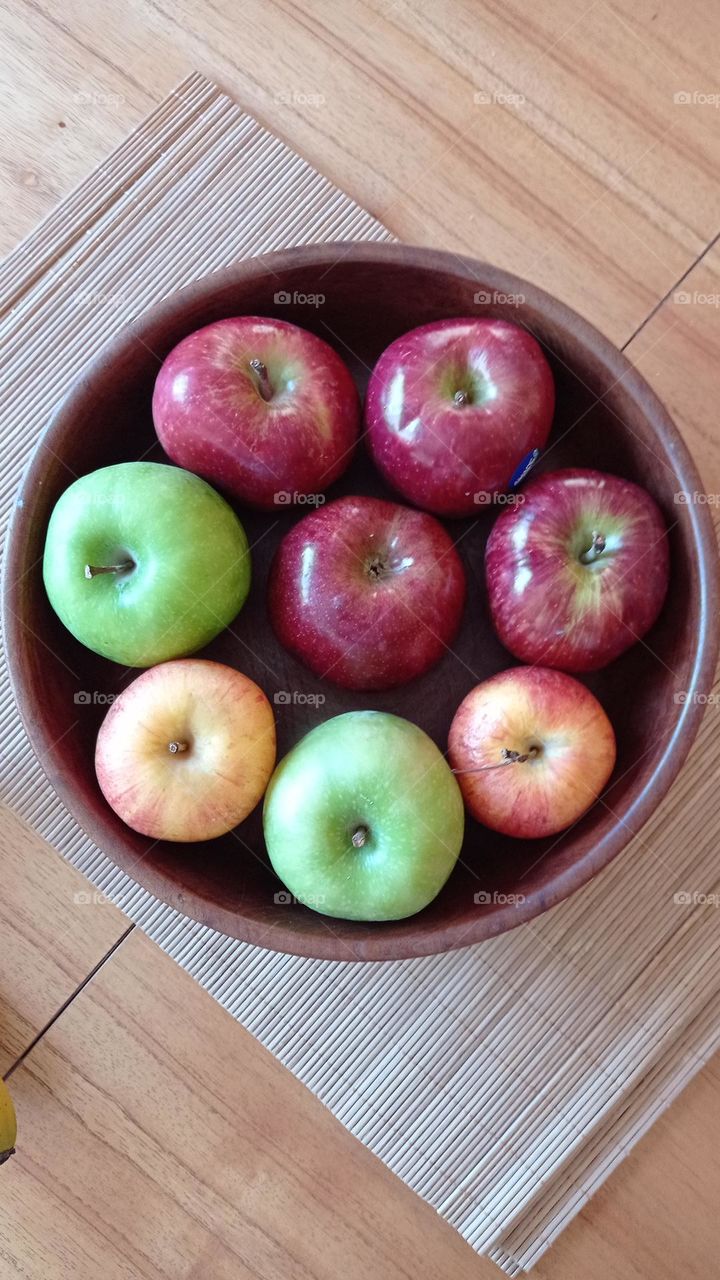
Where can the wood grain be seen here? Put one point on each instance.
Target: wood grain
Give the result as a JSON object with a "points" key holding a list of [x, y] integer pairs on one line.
{"points": [[574, 166], [678, 352], [157, 1138], [53, 929], [655, 1218], [160, 1140]]}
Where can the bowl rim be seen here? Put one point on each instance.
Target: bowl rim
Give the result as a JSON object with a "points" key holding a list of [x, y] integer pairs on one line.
{"points": [[454, 934]]}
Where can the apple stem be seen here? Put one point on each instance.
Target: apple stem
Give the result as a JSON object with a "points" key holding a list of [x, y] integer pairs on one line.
{"points": [[596, 548], [460, 398], [508, 757], [377, 570], [359, 836], [175, 747], [264, 385], [92, 570]]}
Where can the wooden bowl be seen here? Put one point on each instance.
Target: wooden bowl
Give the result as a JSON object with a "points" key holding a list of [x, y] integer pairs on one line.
{"points": [[607, 417]]}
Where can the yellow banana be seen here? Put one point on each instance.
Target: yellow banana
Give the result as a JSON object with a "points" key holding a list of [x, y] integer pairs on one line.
{"points": [[8, 1124]]}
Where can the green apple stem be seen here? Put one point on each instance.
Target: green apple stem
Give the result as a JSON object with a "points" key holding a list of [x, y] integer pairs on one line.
{"points": [[508, 757], [176, 747], [460, 398], [359, 836], [596, 548], [264, 384], [92, 570]]}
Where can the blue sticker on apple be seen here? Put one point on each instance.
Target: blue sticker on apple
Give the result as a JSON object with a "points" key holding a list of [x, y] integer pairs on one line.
{"points": [[522, 470]]}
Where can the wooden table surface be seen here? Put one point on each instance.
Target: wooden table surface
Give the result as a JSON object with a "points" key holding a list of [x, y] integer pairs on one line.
{"points": [[575, 143]]}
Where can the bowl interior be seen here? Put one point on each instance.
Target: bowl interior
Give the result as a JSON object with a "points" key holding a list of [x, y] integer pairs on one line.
{"points": [[606, 418]]}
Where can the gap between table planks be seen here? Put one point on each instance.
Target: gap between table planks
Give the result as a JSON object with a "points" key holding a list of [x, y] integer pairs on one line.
{"points": [[599, 187]]}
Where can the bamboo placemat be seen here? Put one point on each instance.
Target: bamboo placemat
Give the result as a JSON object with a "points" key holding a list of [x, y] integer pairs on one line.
{"points": [[504, 1082]]}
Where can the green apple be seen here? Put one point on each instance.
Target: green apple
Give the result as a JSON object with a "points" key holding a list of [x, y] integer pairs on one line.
{"points": [[363, 818], [145, 562]]}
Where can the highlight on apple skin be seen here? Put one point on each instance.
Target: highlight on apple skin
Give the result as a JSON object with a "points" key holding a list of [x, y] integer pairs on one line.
{"points": [[367, 593], [260, 407], [455, 407], [363, 818], [186, 751], [532, 750], [578, 571], [145, 562]]}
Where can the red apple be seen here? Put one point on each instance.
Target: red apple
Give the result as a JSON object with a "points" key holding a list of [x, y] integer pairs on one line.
{"points": [[265, 410], [366, 592], [454, 408], [187, 750], [577, 571], [532, 749]]}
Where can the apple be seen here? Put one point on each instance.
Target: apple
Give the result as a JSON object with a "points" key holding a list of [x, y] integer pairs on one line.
{"points": [[532, 750], [8, 1124], [456, 409], [145, 562], [186, 751], [367, 593], [577, 571], [363, 818], [262, 408]]}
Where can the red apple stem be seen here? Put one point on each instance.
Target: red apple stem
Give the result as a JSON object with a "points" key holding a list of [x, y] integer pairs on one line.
{"points": [[359, 837], [92, 570], [377, 570], [264, 384], [508, 757], [460, 398], [176, 747], [596, 548]]}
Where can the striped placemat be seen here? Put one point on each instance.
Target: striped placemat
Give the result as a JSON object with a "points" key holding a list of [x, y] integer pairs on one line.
{"points": [[503, 1082]]}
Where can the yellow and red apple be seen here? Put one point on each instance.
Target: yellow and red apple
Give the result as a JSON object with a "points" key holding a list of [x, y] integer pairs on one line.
{"points": [[187, 750], [532, 749]]}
